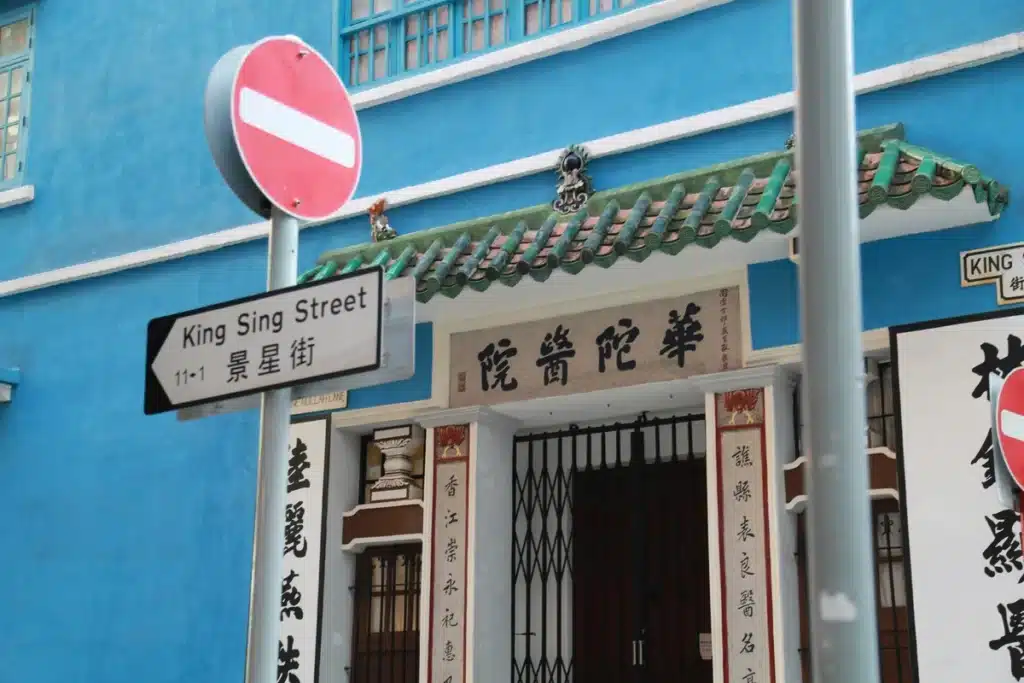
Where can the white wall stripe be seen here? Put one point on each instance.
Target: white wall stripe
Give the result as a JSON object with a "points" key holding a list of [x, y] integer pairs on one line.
{"points": [[888, 77]]}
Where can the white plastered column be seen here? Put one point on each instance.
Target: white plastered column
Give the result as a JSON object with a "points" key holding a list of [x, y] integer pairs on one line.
{"points": [[778, 385], [488, 654], [339, 566]]}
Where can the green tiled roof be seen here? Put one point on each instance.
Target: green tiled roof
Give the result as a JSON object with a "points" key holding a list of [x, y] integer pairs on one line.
{"points": [[737, 200]]}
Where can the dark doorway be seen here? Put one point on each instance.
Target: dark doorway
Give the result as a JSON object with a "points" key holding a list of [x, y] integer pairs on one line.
{"points": [[387, 602], [635, 561]]}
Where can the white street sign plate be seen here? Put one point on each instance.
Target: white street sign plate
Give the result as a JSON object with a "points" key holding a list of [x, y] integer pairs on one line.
{"points": [[278, 339], [1002, 266]]}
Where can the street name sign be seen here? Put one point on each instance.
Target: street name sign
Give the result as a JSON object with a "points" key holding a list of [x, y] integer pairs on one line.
{"points": [[282, 129], [397, 359], [278, 339], [1002, 266]]}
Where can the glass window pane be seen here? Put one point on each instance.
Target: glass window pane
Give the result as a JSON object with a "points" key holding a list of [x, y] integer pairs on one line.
{"points": [[10, 166], [874, 399], [364, 41], [477, 7], [475, 36], [376, 612], [17, 80], [5, 77], [412, 54], [380, 35], [497, 29], [381, 6], [399, 606], [532, 18], [380, 64], [14, 111], [442, 44], [360, 9], [364, 68], [13, 38], [892, 591], [12, 140], [442, 15]]}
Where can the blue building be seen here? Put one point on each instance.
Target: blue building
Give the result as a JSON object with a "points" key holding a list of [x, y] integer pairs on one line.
{"points": [[596, 203]]}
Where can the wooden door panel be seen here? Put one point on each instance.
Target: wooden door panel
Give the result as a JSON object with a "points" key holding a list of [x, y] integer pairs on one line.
{"points": [[603, 606]]}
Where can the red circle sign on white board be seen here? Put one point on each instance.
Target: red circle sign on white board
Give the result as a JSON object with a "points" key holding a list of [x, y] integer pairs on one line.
{"points": [[296, 129], [1010, 424]]}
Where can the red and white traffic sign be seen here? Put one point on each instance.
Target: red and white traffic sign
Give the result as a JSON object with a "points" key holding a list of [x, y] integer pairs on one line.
{"points": [[1010, 424], [296, 129]]}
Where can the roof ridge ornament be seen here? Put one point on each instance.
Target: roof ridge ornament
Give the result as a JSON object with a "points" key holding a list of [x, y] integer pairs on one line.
{"points": [[380, 229], [574, 185]]}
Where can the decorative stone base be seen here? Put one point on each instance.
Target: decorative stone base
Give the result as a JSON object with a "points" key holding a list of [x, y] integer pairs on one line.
{"points": [[395, 488]]}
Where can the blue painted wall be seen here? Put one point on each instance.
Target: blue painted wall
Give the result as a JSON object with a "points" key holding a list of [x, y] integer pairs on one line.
{"points": [[917, 277], [119, 163], [131, 536]]}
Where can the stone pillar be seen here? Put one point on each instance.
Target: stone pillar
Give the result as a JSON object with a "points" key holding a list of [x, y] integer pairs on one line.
{"points": [[468, 552], [337, 618], [754, 591], [397, 446]]}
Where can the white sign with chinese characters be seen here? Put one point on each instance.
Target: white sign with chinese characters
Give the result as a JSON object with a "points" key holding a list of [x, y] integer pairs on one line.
{"points": [[1002, 266], [299, 649], [448, 592], [966, 574], [294, 336], [744, 545]]}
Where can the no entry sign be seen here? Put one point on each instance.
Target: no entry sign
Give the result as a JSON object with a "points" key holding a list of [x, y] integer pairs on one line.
{"points": [[283, 130], [1010, 424]]}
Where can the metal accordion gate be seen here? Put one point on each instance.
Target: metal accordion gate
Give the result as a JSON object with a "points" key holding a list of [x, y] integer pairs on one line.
{"points": [[610, 553]]}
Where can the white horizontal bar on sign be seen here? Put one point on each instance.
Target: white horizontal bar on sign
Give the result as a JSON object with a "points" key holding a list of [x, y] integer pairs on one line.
{"points": [[1011, 424], [296, 127], [966, 57]]}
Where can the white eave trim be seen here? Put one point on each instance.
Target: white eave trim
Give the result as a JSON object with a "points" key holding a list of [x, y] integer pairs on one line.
{"points": [[966, 57], [17, 195], [529, 50]]}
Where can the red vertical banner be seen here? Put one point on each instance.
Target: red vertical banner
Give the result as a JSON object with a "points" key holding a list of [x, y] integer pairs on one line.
{"points": [[449, 555], [748, 643]]}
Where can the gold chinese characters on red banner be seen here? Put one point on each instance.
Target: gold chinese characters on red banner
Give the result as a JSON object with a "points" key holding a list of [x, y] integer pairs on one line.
{"points": [[449, 552], [744, 545], [654, 341]]}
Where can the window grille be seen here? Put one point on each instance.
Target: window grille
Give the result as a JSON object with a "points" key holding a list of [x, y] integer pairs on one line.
{"points": [[386, 39]]}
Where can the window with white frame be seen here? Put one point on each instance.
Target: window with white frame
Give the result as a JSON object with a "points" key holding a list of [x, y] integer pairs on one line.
{"points": [[16, 44], [387, 39]]}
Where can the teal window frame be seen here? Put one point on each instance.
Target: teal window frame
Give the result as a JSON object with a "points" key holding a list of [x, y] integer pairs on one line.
{"points": [[387, 37], [8, 64]]}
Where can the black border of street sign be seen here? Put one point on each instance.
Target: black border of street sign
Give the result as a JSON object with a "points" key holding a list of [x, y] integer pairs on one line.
{"points": [[156, 401], [894, 332]]}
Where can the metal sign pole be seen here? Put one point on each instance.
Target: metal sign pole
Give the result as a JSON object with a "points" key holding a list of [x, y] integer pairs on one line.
{"points": [[272, 476], [844, 632]]}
